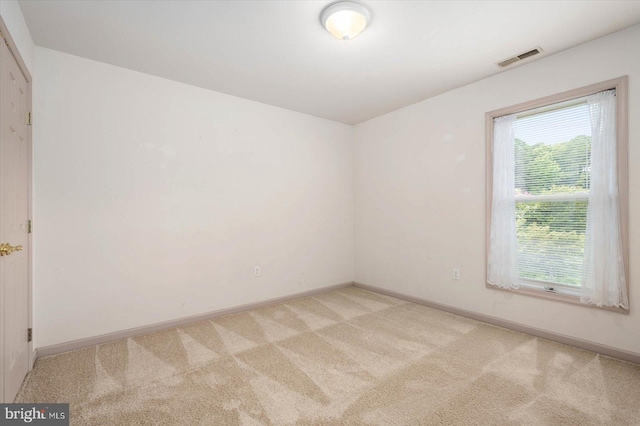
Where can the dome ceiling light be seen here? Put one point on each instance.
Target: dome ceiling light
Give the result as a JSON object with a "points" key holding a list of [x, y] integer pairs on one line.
{"points": [[345, 19]]}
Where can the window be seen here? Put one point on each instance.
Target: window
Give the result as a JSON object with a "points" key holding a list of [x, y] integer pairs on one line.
{"points": [[552, 171], [557, 212]]}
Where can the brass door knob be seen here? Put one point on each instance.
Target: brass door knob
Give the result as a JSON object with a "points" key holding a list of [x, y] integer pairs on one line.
{"points": [[6, 249]]}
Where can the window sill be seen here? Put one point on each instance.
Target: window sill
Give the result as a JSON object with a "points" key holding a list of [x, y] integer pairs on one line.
{"points": [[557, 296]]}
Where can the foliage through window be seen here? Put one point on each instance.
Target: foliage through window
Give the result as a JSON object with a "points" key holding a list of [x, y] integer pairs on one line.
{"points": [[552, 165]]}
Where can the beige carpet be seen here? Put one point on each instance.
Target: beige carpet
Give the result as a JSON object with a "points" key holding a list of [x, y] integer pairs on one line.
{"points": [[348, 357]]}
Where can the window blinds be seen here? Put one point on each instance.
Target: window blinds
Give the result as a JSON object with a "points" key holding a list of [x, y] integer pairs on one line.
{"points": [[552, 173]]}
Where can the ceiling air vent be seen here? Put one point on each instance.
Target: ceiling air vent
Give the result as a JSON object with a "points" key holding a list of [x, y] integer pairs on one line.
{"points": [[520, 57]]}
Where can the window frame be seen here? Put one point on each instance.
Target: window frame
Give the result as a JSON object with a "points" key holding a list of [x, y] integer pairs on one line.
{"points": [[620, 84]]}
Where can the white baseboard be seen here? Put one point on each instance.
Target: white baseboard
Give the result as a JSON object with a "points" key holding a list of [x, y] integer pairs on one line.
{"points": [[556, 337], [146, 329]]}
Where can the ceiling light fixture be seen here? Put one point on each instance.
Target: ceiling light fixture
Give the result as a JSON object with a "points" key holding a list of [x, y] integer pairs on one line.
{"points": [[345, 19]]}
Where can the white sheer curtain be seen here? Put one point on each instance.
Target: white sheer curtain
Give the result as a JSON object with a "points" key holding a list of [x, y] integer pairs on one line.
{"points": [[603, 279], [503, 243]]}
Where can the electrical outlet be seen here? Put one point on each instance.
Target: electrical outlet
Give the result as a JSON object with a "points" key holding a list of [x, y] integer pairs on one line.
{"points": [[256, 271], [456, 274]]}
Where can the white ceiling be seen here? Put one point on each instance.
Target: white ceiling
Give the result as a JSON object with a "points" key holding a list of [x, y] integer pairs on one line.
{"points": [[276, 52]]}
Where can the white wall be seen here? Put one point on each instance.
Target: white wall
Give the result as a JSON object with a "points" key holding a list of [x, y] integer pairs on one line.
{"points": [[420, 193], [14, 20], [155, 200]]}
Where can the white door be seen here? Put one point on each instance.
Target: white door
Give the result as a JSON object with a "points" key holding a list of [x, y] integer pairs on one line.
{"points": [[14, 221]]}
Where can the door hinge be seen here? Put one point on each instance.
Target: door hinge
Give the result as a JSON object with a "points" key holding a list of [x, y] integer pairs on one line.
{"points": [[29, 334], [6, 43], [29, 119], [30, 226]]}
